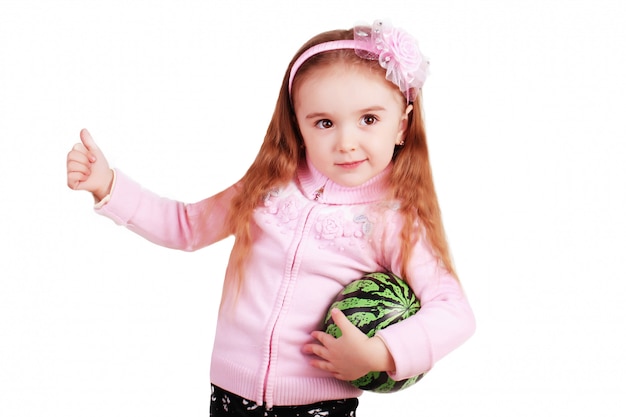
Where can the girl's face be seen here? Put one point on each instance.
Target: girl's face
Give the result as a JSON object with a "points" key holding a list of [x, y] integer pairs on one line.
{"points": [[351, 119]]}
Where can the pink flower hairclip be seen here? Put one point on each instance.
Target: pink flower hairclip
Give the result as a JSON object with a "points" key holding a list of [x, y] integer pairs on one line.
{"points": [[397, 52]]}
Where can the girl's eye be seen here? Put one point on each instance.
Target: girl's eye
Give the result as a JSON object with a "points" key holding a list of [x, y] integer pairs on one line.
{"points": [[324, 124], [368, 119]]}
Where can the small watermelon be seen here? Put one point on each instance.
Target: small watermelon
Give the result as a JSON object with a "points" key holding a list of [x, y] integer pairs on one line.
{"points": [[375, 301]]}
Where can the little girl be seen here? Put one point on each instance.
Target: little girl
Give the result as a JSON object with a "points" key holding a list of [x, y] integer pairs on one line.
{"points": [[341, 186]]}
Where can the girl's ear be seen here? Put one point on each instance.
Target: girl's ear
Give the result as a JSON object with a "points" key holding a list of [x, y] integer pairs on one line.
{"points": [[404, 122]]}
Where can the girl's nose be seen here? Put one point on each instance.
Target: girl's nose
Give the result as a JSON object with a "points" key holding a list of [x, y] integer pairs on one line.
{"points": [[346, 141]]}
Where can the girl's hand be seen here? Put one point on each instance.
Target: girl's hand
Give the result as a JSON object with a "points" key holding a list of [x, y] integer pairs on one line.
{"points": [[350, 356], [88, 169]]}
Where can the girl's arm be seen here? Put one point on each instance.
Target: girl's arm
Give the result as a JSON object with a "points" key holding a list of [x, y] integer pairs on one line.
{"points": [[162, 221], [444, 322], [410, 347], [167, 222]]}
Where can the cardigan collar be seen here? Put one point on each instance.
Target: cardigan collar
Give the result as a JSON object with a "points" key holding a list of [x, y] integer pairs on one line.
{"points": [[316, 186]]}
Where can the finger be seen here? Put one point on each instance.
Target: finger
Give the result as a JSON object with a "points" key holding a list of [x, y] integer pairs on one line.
{"points": [[329, 367], [75, 180], [81, 149], [74, 176], [87, 140], [79, 167], [323, 365], [324, 338], [341, 320], [318, 350], [309, 348], [79, 155]]}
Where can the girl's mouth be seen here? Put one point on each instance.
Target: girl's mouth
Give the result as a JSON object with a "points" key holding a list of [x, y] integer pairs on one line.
{"points": [[350, 165]]}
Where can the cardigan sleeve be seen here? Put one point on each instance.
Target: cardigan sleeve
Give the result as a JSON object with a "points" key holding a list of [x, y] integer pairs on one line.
{"points": [[166, 222], [444, 321]]}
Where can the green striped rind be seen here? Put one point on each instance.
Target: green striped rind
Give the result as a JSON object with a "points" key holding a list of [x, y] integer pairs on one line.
{"points": [[381, 382], [372, 303]]}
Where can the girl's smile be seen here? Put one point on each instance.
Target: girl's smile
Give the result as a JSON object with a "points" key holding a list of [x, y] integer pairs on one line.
{"points": [[350, 165]]}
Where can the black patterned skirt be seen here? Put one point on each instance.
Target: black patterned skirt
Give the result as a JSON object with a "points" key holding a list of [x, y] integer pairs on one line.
{"points": [[227, 404]]}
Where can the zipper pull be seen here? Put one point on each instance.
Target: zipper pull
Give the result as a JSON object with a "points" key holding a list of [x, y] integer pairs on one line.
{"points": [[318, 193]]}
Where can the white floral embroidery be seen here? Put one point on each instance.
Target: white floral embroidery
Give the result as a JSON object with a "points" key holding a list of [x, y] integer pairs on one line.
{"points": [[366, 225], [269, 201]]}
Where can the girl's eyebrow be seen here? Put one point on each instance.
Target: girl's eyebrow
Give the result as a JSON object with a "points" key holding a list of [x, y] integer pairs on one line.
{"points": [[317, 115]]}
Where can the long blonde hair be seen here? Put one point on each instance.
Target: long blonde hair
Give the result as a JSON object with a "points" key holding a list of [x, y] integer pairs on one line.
{"points": [[282, 151]]}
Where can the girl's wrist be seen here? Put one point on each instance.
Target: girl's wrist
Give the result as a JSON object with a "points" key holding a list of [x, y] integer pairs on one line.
{"points": [[382, 361], [102, 193]]}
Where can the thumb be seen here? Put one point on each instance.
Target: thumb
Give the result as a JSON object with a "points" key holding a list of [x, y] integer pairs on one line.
{"points": [[341, 320], [87, 140]]}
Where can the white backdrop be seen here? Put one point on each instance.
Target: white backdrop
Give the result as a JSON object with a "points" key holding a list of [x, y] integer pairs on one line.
{"points": [[524, 111]]}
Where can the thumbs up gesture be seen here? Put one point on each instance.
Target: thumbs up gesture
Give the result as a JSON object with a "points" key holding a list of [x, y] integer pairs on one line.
{"points": [[88, 169]]}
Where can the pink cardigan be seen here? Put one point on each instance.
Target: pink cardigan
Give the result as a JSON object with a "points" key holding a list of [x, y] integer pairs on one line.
{"points": [[312, 238]]}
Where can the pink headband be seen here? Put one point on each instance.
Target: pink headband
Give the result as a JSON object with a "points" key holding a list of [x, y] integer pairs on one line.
{"points": [[395, 50]]}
